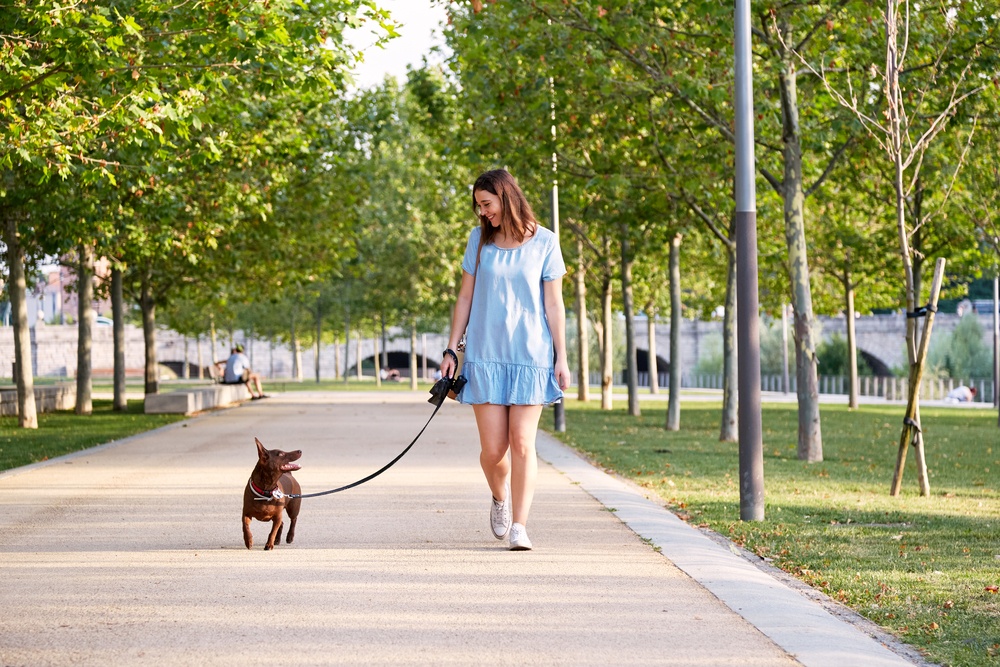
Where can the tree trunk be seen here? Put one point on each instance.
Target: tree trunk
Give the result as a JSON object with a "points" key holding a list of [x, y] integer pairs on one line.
{"points": [[917, 253], [785, 381], [296, 348], [319, 336], [730, 421], [201, 359], [582, 335], [413, 352], [852, 346], [85, 328], [148, 307], [630, 351], [385, 342], [336, 356], [359, 374], [423, 357], [607, 347], [651, 365], [377, 359], [347, 344], [120, 403], [996, 345], [674, 404], [214, 339], [24, 375], [911, 431], [810, 441]]}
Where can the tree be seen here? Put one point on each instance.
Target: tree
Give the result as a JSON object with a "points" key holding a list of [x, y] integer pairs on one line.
{"points": [[80, 82], [915, 107], [855, 251]]}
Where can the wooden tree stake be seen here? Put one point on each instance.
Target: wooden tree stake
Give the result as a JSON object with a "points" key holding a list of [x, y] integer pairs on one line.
{"points": [[911, 419]]}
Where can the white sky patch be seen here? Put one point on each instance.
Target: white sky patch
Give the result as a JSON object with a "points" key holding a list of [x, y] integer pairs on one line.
{"points": [[419, 32]]}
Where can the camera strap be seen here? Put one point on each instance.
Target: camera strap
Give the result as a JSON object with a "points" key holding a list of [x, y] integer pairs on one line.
{"points": [[377, 472]]}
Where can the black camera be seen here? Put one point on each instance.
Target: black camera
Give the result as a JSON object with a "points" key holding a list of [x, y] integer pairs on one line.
{"points": [[446, 388]]}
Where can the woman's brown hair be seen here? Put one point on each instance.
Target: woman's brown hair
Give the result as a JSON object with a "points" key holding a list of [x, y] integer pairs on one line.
{"points": [[516, 212]]}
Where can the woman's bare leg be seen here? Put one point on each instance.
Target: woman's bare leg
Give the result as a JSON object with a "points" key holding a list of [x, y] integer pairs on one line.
{"points": [[523, 429], [494, 441]]}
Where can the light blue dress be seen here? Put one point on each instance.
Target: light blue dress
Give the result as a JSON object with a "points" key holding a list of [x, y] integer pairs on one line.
{"points": [[508, 352]]}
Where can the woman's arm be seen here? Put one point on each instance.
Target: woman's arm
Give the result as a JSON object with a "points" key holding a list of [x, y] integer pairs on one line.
{"points": [[459, 321], [555, 313]]}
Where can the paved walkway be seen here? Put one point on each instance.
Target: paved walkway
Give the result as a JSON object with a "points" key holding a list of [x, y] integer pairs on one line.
{"points": [[131, 554]]}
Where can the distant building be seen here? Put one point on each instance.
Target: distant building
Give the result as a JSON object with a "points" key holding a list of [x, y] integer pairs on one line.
{"points": [[54, 299]]}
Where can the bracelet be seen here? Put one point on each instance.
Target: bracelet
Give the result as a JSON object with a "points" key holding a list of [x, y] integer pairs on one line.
{"points": [[452, 353]]}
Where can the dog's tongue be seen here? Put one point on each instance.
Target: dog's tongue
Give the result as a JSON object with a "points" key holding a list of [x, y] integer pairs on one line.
{"points": [[290, 467]]}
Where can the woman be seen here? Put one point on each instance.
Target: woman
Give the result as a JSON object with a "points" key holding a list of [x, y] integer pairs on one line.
{"points": [[510, 307]]}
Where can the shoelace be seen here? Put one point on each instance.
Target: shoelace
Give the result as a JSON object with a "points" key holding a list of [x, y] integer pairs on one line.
{"points": [[499, 512]]}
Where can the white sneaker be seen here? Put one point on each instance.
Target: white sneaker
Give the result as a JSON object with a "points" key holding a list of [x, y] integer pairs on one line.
{"points": [[519, 538], [500, 516]]}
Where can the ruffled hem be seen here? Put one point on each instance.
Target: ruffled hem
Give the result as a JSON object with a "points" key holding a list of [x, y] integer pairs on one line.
{"points": [[508, 384]]}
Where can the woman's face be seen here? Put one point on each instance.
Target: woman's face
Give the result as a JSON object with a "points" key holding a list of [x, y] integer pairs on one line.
{"points": [[488, 205]]}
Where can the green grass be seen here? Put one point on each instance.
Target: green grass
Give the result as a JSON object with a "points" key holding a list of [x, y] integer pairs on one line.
{"points": [[64, 432], [926, 569]]}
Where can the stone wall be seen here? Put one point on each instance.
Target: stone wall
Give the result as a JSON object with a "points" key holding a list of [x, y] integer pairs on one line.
{"points": [[53, 352], [882, 336], [54, 346]]}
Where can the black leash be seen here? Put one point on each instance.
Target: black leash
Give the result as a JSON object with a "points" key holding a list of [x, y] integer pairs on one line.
{"points": [[360, 481]]}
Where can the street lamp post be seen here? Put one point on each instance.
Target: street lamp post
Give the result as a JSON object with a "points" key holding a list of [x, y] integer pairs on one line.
{"points": [[750, 434], [559, 409]]}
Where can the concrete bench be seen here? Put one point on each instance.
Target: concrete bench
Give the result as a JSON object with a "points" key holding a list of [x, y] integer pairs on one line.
{"points": [[197, 399], [48, 398]]}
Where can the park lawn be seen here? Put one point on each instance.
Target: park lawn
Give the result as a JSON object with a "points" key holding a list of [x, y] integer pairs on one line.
{"points": [[64, 432], [925, 569]]}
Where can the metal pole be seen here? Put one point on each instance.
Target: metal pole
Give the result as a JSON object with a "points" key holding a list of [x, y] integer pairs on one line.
{"points": [[559, 409], [747, 313]]}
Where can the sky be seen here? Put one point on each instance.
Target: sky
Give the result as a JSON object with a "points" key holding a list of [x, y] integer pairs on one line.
{"points": [[418, 33]]}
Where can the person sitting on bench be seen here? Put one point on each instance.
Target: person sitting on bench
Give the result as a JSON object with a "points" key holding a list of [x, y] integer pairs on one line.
{"points": [[238, 371]]}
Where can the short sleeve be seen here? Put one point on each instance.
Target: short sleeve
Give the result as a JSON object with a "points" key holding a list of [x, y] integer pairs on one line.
{"points": [[552, 265], [471, 251]]}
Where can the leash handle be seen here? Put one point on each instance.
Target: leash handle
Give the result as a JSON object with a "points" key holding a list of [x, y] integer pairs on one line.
{"points": [[374, 474]]}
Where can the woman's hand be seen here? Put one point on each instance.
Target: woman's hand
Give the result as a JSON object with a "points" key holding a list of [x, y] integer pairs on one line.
{"points": [[447, 366], [449, 363], [562, 374]]}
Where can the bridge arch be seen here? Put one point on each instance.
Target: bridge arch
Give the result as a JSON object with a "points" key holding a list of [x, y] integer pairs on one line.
{"points": [[878, 367], [397, 360]]}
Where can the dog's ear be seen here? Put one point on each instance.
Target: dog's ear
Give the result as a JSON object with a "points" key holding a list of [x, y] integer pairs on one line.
{"points": [[262, 453]]}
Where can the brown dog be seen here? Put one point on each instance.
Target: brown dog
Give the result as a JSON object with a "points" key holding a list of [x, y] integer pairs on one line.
{"points": [[266, 494]]}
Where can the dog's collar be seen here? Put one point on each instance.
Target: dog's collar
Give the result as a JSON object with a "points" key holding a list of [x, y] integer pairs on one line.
{"points": [[273, 494]]}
